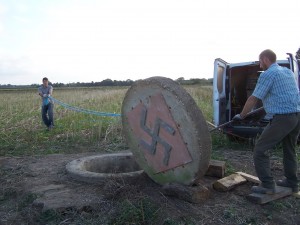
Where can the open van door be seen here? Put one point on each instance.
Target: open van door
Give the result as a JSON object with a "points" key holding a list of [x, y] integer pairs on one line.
{"points": [[294, 66], [219, 92]]}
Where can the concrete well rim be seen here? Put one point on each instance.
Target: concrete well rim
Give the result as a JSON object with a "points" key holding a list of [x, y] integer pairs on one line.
{"points": [[76, 169]]}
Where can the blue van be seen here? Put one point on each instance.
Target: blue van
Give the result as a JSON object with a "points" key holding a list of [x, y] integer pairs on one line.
{"points": [[233, 83]]}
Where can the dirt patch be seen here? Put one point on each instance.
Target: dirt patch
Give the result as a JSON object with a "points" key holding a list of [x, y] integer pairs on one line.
{"points": [[37, 190]]}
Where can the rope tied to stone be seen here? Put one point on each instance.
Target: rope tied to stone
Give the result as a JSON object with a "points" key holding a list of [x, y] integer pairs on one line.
{"points": [[87, 111]]}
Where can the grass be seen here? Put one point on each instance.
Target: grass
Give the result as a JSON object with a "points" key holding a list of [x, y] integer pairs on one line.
{"points": [[23, 133], [203, 98], [142, 211]]}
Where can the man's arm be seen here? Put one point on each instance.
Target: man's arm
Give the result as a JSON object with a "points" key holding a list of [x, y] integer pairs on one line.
{"points": [[51, 90], [249, 105], [40, 92]]}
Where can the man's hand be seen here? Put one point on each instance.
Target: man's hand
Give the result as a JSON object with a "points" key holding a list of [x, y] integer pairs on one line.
{"points": [[45, 95], [237, 117]]}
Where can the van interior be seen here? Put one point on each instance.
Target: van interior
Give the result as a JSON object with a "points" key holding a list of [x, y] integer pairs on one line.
{"points": [[242, 82]]}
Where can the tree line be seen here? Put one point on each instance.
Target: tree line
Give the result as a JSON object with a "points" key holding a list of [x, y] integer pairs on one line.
{"points": [[109, 82]]}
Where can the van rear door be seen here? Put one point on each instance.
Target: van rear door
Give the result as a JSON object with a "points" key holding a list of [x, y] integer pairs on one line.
{"points": [[294, 67], [219, 91]]}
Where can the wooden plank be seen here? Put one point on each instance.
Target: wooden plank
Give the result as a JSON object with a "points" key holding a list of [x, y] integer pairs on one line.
{"points": [[216, 168], [194, 194], [227, 183], [249, 177], [265, 198], [297, 194], [211, 124]]}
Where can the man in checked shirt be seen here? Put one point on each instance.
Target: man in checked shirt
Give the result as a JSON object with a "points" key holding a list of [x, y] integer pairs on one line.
{"points": [[278, 90]]}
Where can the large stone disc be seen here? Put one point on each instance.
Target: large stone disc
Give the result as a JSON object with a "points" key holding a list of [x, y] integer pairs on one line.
{"points": [[166, 131]]}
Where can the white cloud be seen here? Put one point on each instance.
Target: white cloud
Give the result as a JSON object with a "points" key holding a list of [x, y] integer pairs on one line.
{"points": [[3, 10], [21, 7], [16, 70], [110, 40], [22, 20]]}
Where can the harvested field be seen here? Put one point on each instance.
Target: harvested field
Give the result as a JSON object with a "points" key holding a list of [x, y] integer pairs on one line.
{"points": [[35, 188]]}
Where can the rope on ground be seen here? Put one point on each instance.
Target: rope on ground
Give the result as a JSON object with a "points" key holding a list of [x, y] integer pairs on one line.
{"points": [[77, 109]]}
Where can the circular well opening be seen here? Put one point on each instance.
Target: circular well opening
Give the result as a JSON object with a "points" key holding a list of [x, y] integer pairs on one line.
{"points": [[94, 169]]}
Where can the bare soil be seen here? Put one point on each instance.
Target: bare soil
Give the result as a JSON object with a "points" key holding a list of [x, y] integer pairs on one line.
{"points": [[37, 190]]}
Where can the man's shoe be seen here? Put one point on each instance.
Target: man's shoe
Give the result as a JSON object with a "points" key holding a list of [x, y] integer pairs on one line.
{"points": [[263, 190], [285, 183]]}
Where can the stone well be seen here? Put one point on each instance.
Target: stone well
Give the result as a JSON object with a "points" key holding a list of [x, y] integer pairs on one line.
{"points": [[99, 168]]}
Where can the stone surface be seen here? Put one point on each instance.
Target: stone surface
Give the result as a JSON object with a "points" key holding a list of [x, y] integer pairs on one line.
{"points": [[100, 168], [46, 178], [166, 131], [47, 188], [60, 200]]}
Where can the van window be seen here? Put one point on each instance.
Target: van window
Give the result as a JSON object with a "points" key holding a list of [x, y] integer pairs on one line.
{"points": [[220, 78]]}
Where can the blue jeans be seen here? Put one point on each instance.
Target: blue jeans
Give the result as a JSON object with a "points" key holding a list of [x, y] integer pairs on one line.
{"points": [[47, 114]]}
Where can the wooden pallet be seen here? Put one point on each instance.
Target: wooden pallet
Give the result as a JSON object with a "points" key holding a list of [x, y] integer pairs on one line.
{"points": [[265, 198]]}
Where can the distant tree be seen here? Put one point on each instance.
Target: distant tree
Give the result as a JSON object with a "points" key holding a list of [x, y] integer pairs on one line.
{"points": [[180, 80], [58, 85], [34, 85], [128, 82], [107, 82]]}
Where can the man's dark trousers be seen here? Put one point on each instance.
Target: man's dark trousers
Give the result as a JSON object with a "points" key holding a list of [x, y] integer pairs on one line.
{"points": [[47, 114], [283, 128]]}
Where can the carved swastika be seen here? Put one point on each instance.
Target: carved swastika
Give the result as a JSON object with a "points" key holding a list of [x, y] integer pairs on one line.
{"points": [[158, 135], [155, 136], [166, 131]]}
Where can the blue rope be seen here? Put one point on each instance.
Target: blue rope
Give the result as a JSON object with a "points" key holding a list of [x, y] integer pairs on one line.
{"points": [[83, 110]]}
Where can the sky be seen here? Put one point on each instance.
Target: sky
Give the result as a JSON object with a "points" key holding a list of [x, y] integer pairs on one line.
{"points": [[92, 40]]}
